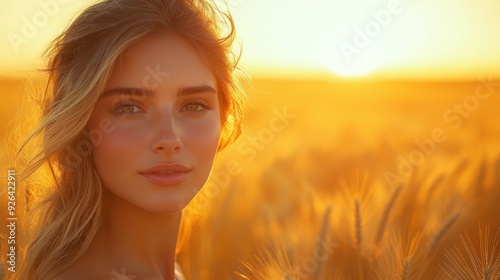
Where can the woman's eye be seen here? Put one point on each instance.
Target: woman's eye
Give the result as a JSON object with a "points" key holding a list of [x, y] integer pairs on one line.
{"points": [[126, 109], [199, 106], [194, 107]]}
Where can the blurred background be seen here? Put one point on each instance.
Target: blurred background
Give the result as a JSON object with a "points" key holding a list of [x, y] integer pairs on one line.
{"points": [[373, 125]]}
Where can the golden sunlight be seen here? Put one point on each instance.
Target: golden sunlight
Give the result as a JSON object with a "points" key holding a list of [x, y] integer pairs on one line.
{"points": [[404, 37], [369, 150], [355, 69]]}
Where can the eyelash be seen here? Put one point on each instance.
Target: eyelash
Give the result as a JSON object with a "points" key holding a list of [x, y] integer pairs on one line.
{"points": [[199, 102], [124, 104], [120, 105]]}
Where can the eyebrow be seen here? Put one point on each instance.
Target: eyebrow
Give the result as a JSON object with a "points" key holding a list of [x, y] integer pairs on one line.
{"points": [[197, 89], [146, 92]]}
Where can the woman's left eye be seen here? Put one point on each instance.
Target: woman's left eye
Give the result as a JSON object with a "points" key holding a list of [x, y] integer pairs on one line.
{"points": [[196, 107]]}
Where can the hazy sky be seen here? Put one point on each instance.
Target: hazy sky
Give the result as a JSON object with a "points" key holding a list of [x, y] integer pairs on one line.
{"points": [[408, 38]]}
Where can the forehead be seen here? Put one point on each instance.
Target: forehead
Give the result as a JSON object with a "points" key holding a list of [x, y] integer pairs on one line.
{"points": [[160, 60]]}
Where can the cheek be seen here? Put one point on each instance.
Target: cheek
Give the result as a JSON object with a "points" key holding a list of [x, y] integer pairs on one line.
{"points": [[117, 148], [203, 136]]}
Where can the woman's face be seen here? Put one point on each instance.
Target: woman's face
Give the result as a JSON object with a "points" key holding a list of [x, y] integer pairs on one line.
{"points": [[163, 106]]}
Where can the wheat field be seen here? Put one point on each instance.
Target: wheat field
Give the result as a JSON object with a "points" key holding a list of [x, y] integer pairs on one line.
{"points": [[347, 179]]}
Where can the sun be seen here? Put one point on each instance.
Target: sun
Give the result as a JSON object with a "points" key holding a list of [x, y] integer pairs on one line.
{"points": [[357, 67], [351, 71]]}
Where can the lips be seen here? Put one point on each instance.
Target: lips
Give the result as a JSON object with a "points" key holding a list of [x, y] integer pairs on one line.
{"points": [[166, 174]]}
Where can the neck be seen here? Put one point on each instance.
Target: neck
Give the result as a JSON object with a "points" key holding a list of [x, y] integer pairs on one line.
{"points": [[138, 241]]}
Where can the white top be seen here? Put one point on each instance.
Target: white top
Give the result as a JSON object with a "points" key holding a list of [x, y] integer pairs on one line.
{"points": [[178, 272]]}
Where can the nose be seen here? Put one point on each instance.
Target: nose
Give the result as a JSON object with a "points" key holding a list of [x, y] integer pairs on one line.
{"points": [[167, 138]]}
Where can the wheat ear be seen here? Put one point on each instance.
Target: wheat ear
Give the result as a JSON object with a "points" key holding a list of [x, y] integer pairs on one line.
{"points": [[322, 235], [385, 215], [406, 269], [359, 234], [446, 226]]}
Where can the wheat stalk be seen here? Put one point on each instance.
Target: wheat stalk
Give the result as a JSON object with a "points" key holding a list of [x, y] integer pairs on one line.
{"points": [[487, 273], [485, 265], [480, 179], [446, 226], [357, 223], [385, 215], [322, 235], [434, 185], [406, 269], [358, 234]]}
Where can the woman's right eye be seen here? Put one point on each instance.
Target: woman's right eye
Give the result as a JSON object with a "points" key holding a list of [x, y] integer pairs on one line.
{"points": [[126, 109]]}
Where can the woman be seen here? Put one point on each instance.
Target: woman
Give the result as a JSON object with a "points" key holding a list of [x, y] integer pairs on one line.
{"points": [[142, 96]]}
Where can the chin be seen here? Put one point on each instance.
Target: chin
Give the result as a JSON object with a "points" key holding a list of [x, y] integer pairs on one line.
{"points": [[166, 206], [161, 209]]}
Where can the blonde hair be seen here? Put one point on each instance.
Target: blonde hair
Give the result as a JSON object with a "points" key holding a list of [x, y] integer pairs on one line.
{"points": [[81, 60]]}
